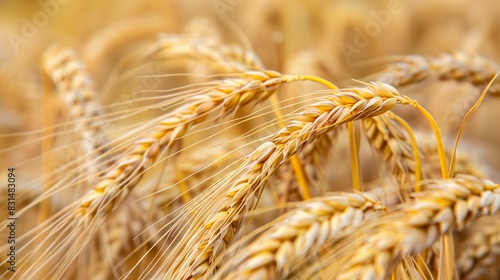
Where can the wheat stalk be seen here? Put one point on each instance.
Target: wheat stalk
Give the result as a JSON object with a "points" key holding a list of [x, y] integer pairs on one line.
{"points": [[77, 89], [480, 248], [137, 223], [122, 177], [301, 231], [226, 58], [157, 204], [332, 111], [389, 139], [313, 159], [228, 96], [125, 231], [13, 82], [448, 205], [460, 66]]}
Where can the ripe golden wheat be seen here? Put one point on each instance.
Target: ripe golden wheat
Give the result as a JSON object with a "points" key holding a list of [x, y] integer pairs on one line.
{"points": [[165, 147]]}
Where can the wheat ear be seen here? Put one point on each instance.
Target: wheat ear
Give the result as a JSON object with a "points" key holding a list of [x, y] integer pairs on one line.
{"points": [[447, 205], [228, 96], [225, 58], [137, 223], [313, 159], [76, 87], [301, 231], [242, 193], [115, 185], [481, 248], [128, 228], [462, 67], [392, 144]]}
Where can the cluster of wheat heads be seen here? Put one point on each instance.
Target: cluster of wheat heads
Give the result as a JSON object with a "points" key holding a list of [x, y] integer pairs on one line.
{"points": [[222, 169]]}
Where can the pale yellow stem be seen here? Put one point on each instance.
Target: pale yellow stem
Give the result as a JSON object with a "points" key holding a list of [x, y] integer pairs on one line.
{"points": [[353, 147], [182, 184], [462, 125], [437, 135], [446, 254], [319, 80]]}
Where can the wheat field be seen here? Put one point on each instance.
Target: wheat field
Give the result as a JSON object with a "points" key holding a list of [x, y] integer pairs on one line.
{"points": [[238, 139]]}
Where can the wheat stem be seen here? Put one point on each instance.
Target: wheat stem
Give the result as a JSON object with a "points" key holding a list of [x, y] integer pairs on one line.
{"points": [[182, 184], [462, 125], [438, 138], [319, 80], [353, 148]]}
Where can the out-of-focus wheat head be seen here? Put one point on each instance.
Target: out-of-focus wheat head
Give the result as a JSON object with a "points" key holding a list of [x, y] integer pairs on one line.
{"points": [[250, 139]]}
